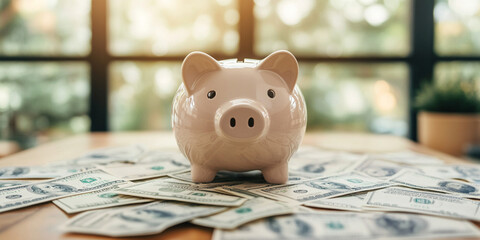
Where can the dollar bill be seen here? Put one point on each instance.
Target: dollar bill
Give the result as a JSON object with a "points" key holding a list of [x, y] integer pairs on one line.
{"points": [[469, 172], [148, 219], [172, 189], [407, 157], [11, 183], [38, 172], [44, 191], [145, 170], [161, 156], [346, 225], [379, 169], [95, 200], [352, 202], [315, 163], [224, 176], [225, 179], [311, 152], [245, 189], [125, 154], [409, 200], [251, 210], [325, 187], [424, 182], [315, 168]]}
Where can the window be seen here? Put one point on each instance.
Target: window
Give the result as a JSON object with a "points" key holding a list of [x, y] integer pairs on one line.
{"points": [[41, 96], [118, 62], [457, 29], [457, 41], [41, 27], [333, 28], [340, 96], [141, 93], [155, 27]]}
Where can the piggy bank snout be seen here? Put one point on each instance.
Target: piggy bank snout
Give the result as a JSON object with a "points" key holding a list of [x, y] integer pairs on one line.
{"points": [[241, 120]]}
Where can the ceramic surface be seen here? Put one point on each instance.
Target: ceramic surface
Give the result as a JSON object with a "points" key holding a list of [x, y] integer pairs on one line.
{"points": [[239, 116]]}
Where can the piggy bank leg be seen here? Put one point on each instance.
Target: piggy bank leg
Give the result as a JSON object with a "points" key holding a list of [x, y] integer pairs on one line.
{"points": [[277, 174], [202, 174]]}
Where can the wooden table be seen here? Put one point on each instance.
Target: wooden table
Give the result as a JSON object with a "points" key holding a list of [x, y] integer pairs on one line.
{"points": [[42, 221]]}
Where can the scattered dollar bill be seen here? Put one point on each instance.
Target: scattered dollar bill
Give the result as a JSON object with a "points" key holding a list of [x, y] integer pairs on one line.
{"points": [[345, 225], [407, 157], [315, 153], [325, 187], [224, 179], [315, 163], [318, 180], [44, 191], [95, 200], [424, 182], [172, 189], [467, 172], [409, 200], [141, 220], [161, 156], [224, 176], [145, 170], [352, 202], [251, 210], [315, 168], [38, 172], [245, 189], [129, 154], [11, 183], [379, 169]]}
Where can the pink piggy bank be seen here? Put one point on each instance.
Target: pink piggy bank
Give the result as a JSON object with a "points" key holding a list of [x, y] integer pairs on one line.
{"points": [[239, 116]]}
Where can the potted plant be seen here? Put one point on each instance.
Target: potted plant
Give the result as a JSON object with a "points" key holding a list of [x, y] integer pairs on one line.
{"points": [[448, 120]]}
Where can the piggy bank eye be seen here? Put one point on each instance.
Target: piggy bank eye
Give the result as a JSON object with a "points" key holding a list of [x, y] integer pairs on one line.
{"points": [[211, 94], [271, 93]]}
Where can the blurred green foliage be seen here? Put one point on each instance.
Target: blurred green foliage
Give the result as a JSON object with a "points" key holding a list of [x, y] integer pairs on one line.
{"points": [[449, 97]]}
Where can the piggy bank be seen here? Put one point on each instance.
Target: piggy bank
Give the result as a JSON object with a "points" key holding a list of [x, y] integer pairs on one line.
{"points": [[239, 116]]}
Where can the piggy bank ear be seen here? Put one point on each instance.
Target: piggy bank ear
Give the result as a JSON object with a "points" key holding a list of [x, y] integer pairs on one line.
{"points": [[194, 66], [284, 64]]}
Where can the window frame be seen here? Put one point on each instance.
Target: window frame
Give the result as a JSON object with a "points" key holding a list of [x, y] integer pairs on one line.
{"points": [[421, 60]]}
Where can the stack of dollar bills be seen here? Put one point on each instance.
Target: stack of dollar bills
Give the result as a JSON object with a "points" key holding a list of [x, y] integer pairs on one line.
{"points": [[129, 191]]}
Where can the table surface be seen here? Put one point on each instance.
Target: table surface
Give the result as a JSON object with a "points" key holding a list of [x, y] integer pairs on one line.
{"points": [[42, 221]]}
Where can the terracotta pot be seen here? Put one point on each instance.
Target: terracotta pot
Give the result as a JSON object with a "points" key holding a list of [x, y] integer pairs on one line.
{"points": [[448, 133]]}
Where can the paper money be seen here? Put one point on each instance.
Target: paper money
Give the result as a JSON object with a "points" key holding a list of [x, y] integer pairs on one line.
{"points": [[35, 172], [145, 170], [95, 200], [172, 189], [468, 172], [378, 168], [104, 156], [141, 220], [315, 163], [344, 225], [315, 168], [252, 209], [224, 176], [322, 155], [161, 156], [11, 183], [410, 200], [424, 182], [44, 191], [325, 187], [407, 157], [353, 202], [245, 189]]}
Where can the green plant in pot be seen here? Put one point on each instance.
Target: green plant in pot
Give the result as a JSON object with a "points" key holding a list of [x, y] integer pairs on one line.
{"points": [[448, 118]]}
